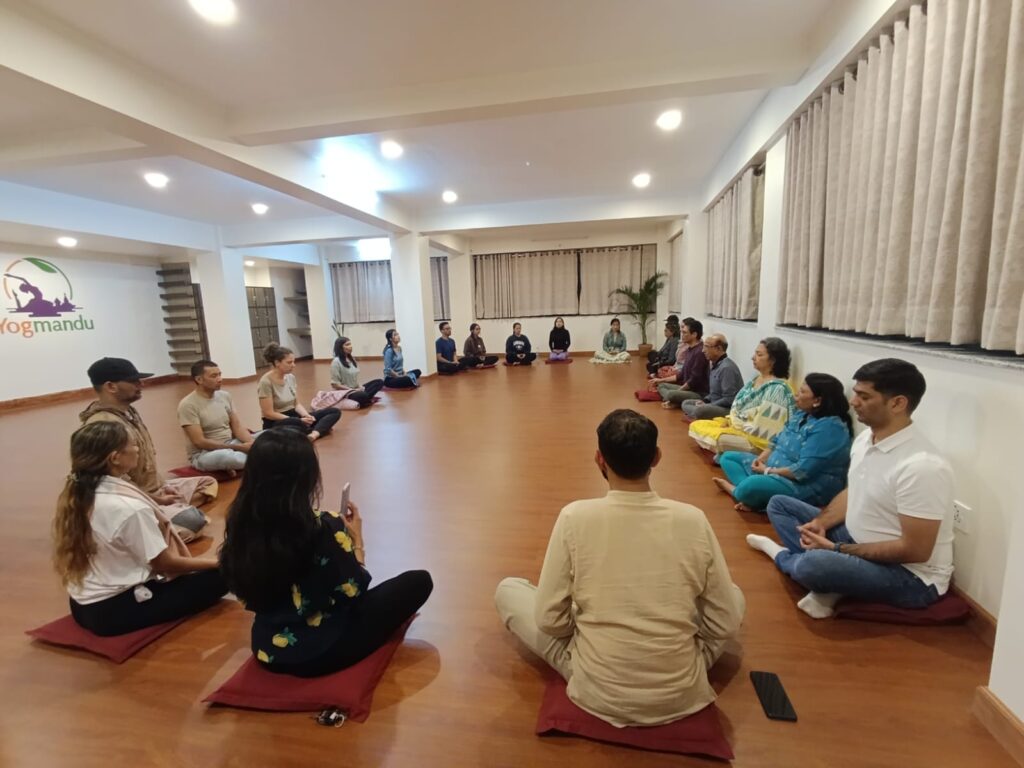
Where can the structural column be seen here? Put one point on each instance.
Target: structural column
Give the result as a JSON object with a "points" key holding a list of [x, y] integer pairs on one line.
{"points": [[414, 303], [320, 298], [221, 276]]}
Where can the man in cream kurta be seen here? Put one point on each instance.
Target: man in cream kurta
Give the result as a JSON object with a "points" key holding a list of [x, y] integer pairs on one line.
{"points": [[635, 602]]}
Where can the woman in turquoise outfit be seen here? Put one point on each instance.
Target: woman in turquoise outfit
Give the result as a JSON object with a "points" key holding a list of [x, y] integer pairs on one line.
{"points": [[808, 460]]}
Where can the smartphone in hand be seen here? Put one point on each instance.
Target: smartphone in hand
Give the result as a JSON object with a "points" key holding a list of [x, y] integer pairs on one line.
{"points": [[344, 501]]}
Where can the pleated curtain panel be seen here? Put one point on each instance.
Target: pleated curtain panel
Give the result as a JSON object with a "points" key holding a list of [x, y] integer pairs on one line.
{"points": [[363, 292], [510, 285], [439, 287], [602, 270], [735, 223], [904, 192]]}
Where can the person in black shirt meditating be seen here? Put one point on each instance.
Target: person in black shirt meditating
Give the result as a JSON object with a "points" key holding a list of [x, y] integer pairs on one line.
{"points": [[558, 341], [444, 347], [517, 347]]}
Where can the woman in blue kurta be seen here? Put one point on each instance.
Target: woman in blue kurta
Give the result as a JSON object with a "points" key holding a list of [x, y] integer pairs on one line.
{"points": [[301, 571], [807, 460]]}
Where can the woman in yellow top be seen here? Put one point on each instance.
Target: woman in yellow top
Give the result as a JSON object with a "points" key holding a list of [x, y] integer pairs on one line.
{"points": [[760, 410]]}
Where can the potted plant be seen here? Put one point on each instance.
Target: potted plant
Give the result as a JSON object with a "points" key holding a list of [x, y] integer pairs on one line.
{"points": [[642, 304]]}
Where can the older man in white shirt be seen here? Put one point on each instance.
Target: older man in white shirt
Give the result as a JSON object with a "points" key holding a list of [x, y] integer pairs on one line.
{"points": [[635, 601], [889, 536]]}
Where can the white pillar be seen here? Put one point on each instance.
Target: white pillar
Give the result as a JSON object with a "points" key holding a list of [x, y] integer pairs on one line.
{"points": [[695, 265], [414, 305], [221, 276], [771, 237], [320, 300], [460, 295]]}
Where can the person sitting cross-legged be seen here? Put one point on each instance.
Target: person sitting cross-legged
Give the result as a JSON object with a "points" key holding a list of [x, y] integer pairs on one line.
{"points": [[216, 439], [475, 351], [517, 347], [613, 346], [725, 382], [345, 376], [635, 602], [395, 375], [807, 460], [279, 400], [444, 348], [559, 340], [887, 538], [690, 381], [667, 354]]}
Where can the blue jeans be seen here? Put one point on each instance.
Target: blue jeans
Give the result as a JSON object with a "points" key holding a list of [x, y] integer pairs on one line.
{"points": [[821, 570]]}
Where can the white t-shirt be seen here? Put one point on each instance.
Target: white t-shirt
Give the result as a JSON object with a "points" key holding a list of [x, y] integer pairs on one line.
{"points": [[127, 537], [902, 475]]}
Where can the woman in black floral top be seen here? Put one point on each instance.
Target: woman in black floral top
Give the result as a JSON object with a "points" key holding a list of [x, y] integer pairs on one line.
{"points": [[301, 571]]}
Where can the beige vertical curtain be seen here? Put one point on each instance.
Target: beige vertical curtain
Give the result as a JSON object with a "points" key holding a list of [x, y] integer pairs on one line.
{"points": [[734, 248], [363, 292], [602, 270], [509, 285], [902, 204], [439, 287]]}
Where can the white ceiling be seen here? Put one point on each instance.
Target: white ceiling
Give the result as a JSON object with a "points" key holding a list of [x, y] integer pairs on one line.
{"points": [[576, 230], [195, 192], [45, 238], [473, 90], [294, 52]]}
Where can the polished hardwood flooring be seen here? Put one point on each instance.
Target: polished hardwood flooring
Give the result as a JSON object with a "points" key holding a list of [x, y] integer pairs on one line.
{"points": [[463, 477]]}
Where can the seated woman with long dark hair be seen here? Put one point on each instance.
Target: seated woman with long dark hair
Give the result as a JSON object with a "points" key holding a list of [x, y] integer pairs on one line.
{"points": [[395, 375], [345, 375], [475, 351], [302, 570], [807, 460], [123, 565]]}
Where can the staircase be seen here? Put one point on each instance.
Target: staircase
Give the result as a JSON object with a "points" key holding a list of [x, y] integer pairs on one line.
{"points": [[183, 316]]}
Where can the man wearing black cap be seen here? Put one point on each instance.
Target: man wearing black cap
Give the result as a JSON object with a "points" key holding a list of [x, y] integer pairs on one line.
{"points": [[118, 384]]}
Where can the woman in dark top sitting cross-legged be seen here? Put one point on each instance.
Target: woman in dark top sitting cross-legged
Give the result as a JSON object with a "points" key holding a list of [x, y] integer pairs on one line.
{"points": [[517, 347], [475, 351], [301, 570]]}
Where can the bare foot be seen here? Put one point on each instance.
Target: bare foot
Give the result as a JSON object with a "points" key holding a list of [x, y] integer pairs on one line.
{"points": [[742, 508], [313, 436], [669, 405], [723, 485]]}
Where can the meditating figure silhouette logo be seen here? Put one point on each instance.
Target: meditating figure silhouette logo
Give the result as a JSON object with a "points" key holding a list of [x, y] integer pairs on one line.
{"points": [[29, 281]]}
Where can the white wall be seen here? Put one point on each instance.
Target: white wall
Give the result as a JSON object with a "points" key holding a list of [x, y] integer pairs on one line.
{"points": [[1007, 680], [117, 294]]}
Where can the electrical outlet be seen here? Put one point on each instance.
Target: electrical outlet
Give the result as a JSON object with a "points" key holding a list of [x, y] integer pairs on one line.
{"points": [[961, 517]]}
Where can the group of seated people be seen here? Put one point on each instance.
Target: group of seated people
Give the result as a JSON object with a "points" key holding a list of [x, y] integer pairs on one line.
{"points": [[866, 518]]}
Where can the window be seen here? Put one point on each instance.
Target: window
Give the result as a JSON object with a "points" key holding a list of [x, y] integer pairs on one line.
{"points": [[734, 248], [363, 292], [439, 287], [903, 212], [567, 282]]}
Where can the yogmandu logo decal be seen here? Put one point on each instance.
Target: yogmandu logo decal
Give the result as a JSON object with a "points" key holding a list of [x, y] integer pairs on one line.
{"points": [[36, 288]]}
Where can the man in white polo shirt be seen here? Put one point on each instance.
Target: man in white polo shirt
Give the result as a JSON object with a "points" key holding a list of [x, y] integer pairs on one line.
{"points": [[889, 536]]}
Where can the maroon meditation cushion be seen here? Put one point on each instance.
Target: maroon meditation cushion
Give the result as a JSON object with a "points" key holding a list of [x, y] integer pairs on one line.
{"points": [[697, 734], [948, 609], [646, 396], [350, 689], [68, 633]]}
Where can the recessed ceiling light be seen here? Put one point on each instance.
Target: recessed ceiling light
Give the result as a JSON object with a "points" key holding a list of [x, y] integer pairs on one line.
{"points": [[67, 242], [156, 180], [215, 11], [449, 196], [641, 180], [669, 120], [527, 163], [391, 149], [250, 263], [260, 208]]}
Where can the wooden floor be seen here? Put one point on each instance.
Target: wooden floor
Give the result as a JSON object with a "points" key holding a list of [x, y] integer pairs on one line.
{"points": [[463, 477]]}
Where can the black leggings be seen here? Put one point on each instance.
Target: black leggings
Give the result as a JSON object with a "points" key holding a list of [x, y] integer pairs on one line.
{"points": [[324, 421], [402, 382], [444, 366], [513, 359], [122, 613], [365, 395], [474, 362], [372, 622]]}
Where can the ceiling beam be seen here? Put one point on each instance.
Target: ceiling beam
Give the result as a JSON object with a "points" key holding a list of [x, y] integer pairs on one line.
{"points": [[319, 229], [75, 147]]}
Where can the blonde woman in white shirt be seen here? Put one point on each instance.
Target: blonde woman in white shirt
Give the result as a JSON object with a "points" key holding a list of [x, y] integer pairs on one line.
{"points": [[123, 566]]}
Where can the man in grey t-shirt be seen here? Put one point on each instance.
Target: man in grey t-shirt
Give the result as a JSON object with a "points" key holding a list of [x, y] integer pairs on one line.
{"points": [[215, 439], [725, 382]]}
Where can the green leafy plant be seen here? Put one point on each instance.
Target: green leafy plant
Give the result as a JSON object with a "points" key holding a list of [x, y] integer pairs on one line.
{"points": [[642, 302], [339, 328]]}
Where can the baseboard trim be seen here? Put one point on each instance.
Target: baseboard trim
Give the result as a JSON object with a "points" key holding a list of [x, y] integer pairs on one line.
{"points": [[242, 379], [1005, 727], [70, 394], [982, 623]]}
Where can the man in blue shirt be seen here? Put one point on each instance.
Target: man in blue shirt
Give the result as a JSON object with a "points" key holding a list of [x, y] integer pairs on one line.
{"points": [[445, 349]]}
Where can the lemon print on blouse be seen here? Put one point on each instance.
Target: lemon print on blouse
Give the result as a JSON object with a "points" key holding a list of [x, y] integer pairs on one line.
{"points": [[264, 657], [349, 588], [300, 602], [284, 639], [315, 619], [344, 540]]}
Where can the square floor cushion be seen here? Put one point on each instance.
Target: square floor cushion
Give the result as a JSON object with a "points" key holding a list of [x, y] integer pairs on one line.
{"points": [[948, 609], [66, 632], [698, 734], [549, 361], [351, 689], [646, 396]]}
